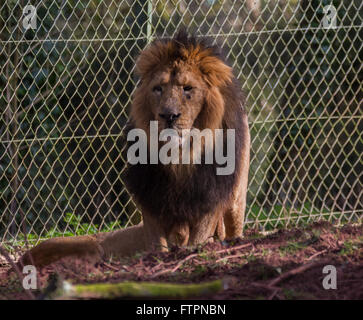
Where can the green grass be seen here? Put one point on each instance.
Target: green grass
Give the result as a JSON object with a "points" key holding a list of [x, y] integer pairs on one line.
{"points": [[74, 227], [349, 248], [278, 216], [265, 219], [292, 247]]}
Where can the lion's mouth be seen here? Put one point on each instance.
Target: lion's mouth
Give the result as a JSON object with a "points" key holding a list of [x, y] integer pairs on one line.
{"points": [[176, 139]]}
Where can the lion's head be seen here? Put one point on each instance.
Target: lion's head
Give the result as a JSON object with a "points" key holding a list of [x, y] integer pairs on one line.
{"points": [[181, 83]]}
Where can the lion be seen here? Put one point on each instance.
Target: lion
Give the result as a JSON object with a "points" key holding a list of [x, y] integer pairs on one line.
{"points": [[184, 84]]}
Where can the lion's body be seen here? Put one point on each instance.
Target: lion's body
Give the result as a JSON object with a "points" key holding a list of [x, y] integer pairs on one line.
{"points": [[181, 204]]}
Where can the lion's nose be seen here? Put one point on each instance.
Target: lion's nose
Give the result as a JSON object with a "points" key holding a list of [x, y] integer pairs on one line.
{"points": [[169, 117]]}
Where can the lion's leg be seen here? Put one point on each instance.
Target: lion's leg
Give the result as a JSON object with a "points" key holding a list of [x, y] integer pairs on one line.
{"points": [[234, 215], [179, 235], [204, 229], [220, 230], [154, 233]]}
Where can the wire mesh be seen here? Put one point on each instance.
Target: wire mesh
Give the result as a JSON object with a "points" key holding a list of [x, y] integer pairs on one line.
{"points": [[66, 81]]}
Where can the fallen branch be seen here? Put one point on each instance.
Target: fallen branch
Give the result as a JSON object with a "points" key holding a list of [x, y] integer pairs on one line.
{"points": [[110, 266], [316, 254], [138, 289], [275, 290], [264, 286], [234, 248], [181, 262], [230, 257], [176, 267], [273, 294], [292, 272]]}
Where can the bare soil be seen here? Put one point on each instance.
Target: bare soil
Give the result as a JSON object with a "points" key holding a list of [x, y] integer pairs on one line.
{"points": [[287, 264]]}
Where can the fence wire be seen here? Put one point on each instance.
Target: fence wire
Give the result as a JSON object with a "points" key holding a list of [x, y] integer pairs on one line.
{"points": [[66, 81]]}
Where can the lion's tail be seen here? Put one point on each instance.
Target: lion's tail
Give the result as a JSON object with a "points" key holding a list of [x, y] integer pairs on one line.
{"points": [[118, 243]]}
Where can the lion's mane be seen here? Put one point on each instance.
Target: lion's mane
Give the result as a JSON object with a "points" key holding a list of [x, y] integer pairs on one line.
{"points": [[169, 197]]}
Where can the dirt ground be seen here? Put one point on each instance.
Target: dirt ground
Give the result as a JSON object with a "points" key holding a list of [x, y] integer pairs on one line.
{"points": [[287, 264]]}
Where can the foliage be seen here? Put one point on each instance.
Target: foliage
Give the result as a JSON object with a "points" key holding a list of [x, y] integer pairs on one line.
{"points": [[74, 228], [65, 88]]}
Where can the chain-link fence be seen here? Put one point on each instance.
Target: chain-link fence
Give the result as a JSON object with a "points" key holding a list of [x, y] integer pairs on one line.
{"points": [[66, 81]]}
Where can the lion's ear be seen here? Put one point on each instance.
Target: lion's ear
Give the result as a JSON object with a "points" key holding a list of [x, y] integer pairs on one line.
{"points": [[216, 72]]}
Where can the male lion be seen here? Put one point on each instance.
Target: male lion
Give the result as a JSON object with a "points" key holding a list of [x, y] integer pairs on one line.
{"points": [[184, 84]]}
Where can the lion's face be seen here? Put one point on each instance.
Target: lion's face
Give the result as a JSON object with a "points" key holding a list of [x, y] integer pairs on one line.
{"points": [[176, 96], [181, 86]]}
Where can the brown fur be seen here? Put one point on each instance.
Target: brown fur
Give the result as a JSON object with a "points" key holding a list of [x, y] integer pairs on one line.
{"points": [[180, 204]]}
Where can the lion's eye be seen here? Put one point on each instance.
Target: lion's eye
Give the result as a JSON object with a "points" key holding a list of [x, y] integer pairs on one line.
{"points": [[187, 88], [157, 89]]}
